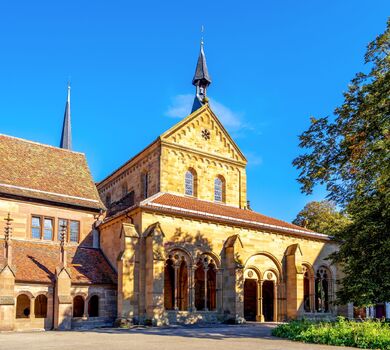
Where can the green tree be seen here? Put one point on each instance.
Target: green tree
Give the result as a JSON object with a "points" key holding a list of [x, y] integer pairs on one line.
{"points": [[350, 155], [321, 217]]}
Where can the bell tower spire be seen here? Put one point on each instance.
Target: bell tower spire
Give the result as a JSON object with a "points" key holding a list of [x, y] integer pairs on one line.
{"points": [[201, 79], [66, 136]]}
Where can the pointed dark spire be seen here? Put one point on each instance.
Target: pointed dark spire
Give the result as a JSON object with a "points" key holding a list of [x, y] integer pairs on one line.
{"points": [[66, 137], [201, 79]]}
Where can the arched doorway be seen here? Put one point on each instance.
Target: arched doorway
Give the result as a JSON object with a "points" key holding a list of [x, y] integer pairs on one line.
{"points": [[268, 301], [250, 299]]}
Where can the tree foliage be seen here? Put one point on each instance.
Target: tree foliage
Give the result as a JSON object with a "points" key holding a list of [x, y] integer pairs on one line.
{"points": [[321, 217], [350, 155]]}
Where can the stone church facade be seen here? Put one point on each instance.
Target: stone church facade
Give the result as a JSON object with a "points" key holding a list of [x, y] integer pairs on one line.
{"points": [[169, 237], [189, 247]]}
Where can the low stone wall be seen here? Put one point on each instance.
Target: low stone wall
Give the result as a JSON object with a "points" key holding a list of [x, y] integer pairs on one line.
{"points": [[92, 322], [187, 317]]}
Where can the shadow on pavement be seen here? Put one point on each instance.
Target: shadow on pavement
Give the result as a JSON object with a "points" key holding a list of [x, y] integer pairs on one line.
{"points": [[216, 332]]}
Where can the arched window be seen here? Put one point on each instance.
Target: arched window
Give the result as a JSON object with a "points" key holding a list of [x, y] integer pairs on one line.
{"points": [[322, 290], [306, 289], [145, 185], [22, 306], [176, 268], [78, 306], [219, 189], [205, 277], [93, 306], [40, 306], [211, 287], [169, 285], [190, 183]]}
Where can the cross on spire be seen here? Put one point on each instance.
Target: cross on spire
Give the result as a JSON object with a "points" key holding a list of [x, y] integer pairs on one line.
{"points": [[66, 136]]}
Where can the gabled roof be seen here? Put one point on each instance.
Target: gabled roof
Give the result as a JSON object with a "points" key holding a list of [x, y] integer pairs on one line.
{"points": [[40, 172], [194, 115], [37, 262], [188, 206]]}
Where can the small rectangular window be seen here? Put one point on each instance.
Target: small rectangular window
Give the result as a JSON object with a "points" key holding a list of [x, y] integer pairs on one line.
{"points": [[36, 227], [48, 229], [62, 223], [74, 231]]}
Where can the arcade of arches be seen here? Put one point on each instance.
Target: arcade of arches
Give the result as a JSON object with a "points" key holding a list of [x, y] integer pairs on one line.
{"points": [[190, 286]]}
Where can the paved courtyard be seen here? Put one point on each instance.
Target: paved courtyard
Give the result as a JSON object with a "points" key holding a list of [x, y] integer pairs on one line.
{"points": [[218, 337]]}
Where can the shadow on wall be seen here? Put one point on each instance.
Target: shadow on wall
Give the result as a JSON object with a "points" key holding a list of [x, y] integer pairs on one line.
{"points": [[192, 243]]}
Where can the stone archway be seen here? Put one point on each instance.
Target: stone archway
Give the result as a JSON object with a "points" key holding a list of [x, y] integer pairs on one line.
{"points": [[261, 288]]}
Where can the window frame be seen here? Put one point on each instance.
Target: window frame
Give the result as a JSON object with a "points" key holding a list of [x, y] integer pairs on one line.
{"points": [[78, 233], [222, 190], [67, 238], [42, 228], [191, 173]]}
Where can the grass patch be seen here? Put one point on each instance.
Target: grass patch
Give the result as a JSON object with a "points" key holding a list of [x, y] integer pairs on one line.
{"points": [[366, 335]]}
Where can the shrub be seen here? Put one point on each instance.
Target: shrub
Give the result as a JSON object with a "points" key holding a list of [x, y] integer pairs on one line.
{"points": [[367, 334]]}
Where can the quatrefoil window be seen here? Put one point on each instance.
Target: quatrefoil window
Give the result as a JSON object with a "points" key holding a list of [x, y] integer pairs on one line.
{"points": [[206, 134]]}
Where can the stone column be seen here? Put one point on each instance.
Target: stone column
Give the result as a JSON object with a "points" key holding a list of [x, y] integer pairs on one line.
{"points": [[63, 300], [294, 281], [205, 287], [275, 315], [219, 290], [85, 312], [191, 304], [368, 312], [175, 286], [32, 308], [260, 316], [350, 311], [387, 310]]}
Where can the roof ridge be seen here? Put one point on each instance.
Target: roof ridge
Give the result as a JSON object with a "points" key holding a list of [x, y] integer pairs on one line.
{"points": [[41, 144]]}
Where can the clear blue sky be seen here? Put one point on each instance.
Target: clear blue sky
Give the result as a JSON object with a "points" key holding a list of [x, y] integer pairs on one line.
{"points": [[273, 65]]}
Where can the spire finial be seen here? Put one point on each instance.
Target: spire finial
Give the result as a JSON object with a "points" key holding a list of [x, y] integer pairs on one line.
{"points": [[7, 239], [202, 31], [68, 98], [66, 136], [201, 78]]}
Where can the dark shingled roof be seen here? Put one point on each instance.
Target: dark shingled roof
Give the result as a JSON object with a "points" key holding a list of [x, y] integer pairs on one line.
{"points": [[201, 71], [36, 171], [37, 262]]}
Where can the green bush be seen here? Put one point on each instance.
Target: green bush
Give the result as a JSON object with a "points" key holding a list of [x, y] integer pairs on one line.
{"points": [[367, 334]]}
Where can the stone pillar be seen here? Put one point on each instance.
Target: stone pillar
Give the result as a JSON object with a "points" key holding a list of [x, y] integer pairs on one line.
{"points": [[32, 308], [233, 279], [85, 312], [275, 315], [368, 312], [154, 274], [387, 310], [260, 316], [7, 298], [63, 300], [175, 286], [7, 281], [350, 311], [205, 287], [294, 281], [192, 270], [127, 267], [219, 290]]}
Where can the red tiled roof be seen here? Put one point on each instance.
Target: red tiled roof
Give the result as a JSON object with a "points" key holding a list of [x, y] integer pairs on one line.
{"points": [[36, 262], [37, 171], [208, 210]]}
